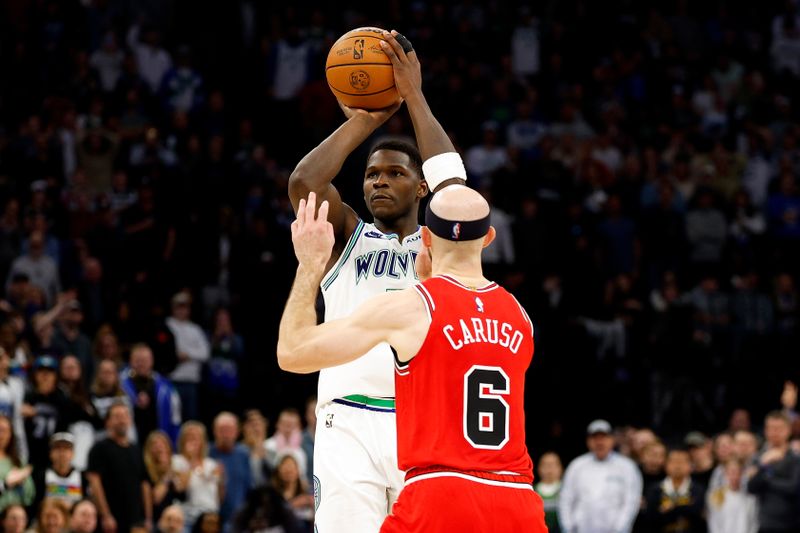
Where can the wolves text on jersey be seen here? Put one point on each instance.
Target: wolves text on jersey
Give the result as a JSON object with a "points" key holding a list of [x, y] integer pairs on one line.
{"points": [[486, 330], [389, 263]]}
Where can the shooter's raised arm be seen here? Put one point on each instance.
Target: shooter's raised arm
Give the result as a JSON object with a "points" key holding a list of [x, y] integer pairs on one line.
{"points": [[316, 171]]}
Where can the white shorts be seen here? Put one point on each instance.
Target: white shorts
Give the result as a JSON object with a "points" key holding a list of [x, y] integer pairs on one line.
{"points": [[356, 479]]}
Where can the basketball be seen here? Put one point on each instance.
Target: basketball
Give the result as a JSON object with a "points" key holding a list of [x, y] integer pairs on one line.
{"points": [[359, 72]]}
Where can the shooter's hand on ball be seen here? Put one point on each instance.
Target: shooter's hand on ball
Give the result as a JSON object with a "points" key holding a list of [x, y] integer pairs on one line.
{"points": [[376, 117], [407, 73], [312, 235]]}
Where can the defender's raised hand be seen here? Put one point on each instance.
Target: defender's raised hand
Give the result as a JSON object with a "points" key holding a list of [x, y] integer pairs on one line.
{"points": [[407, 71], [312, 234]]}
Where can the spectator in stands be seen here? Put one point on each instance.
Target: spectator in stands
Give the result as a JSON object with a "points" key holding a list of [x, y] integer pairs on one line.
{"points": [[71, 382], [14, 519], [549, 488], [53, 516], [152, 60], [498, 257], [192, 350], [782, 211], [700, 449], [486, 158], [167, 487], [745, 445], [16, 475], [677, 503], [739, 421], [227, 352], [107, 61], [69, 339], [235, 461], [724, 452], [254, 436], [171, 520], [182, 86], [106, 345], [730, 508], [12, 395], [41, 269], [117, 476], [267, 509], [60, 480], [46, 409], [774, 480], [706, 230], [156, 405], [289, 480], [105, 391], [202, 476], [652, 462], [207, 523], [83, 517], [288, 436], [602, 489]]}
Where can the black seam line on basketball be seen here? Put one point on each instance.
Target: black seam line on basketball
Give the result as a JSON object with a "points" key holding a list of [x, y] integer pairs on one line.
{"points": [[355, 65], [360, 94]]}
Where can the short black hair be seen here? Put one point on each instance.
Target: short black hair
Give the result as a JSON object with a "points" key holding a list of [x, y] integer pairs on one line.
{"points": [[679, 448], [399, 145]]}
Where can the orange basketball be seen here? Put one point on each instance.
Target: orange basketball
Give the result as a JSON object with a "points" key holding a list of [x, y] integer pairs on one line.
{"points": [[359, 72]]}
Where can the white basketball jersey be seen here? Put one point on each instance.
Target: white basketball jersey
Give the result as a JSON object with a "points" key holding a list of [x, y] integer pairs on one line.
{"points": [[372, 263]]}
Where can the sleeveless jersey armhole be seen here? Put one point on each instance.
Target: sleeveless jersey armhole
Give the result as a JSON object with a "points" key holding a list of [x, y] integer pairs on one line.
{"points": [[330, 277], [525, 315]]}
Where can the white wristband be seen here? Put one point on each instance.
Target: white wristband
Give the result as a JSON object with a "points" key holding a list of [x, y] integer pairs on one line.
{"points": [[443, 167]]}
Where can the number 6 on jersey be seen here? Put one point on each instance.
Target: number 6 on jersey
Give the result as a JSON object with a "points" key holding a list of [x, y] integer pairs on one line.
{"points": [[485, 409]]}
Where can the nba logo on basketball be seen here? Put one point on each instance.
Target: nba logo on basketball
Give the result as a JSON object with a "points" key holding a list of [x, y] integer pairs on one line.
{"points": [[358, 49], [456, 230]]}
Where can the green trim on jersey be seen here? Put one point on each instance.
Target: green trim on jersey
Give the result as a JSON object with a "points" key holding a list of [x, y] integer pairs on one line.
{"points": [[369, 400], [345, 254]]}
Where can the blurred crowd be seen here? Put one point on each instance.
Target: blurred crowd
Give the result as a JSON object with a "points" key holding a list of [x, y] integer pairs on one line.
{"points": [[741, 480], [642, 163]]}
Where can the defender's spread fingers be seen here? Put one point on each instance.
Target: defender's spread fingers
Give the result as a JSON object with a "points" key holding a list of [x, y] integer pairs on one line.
{"points": [[311, 207]]}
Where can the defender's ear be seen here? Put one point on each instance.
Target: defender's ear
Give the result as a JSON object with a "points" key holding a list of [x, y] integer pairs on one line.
{"points": [[489, 237]]}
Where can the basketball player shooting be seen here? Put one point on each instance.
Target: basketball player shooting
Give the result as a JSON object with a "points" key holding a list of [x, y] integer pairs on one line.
{"points": [[462, 345], [356, 478]]}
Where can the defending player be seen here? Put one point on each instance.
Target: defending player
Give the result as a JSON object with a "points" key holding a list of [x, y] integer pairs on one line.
{"points": [[462, 346], [355, 456]]}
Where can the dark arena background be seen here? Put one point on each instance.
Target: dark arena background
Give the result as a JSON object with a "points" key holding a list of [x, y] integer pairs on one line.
{"points": [[641, 159]]}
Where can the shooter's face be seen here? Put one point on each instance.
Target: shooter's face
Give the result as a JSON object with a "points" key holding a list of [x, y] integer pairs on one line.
{"points": [[392, 187]]}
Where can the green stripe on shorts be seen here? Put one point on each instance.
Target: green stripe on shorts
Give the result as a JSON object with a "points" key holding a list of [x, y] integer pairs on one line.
{"points": [[387, 403]]}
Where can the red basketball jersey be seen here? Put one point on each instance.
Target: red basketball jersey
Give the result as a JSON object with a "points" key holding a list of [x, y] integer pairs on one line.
{"points": [[460, 399]]}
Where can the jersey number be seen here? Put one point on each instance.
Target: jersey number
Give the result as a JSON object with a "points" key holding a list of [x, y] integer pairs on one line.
{"points": [[485, 409]]}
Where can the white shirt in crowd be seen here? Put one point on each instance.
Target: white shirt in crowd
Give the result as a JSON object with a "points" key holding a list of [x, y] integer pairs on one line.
{"points": [[525, 57], [600, 496], [191, 340], [731, 511], [153, 61], [501, 250], [108, 64], [482, 160], [12, 394], [202, 492]]}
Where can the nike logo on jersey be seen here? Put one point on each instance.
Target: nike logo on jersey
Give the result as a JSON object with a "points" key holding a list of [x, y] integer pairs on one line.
{"points": [[485, 330], [385, 263]]}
